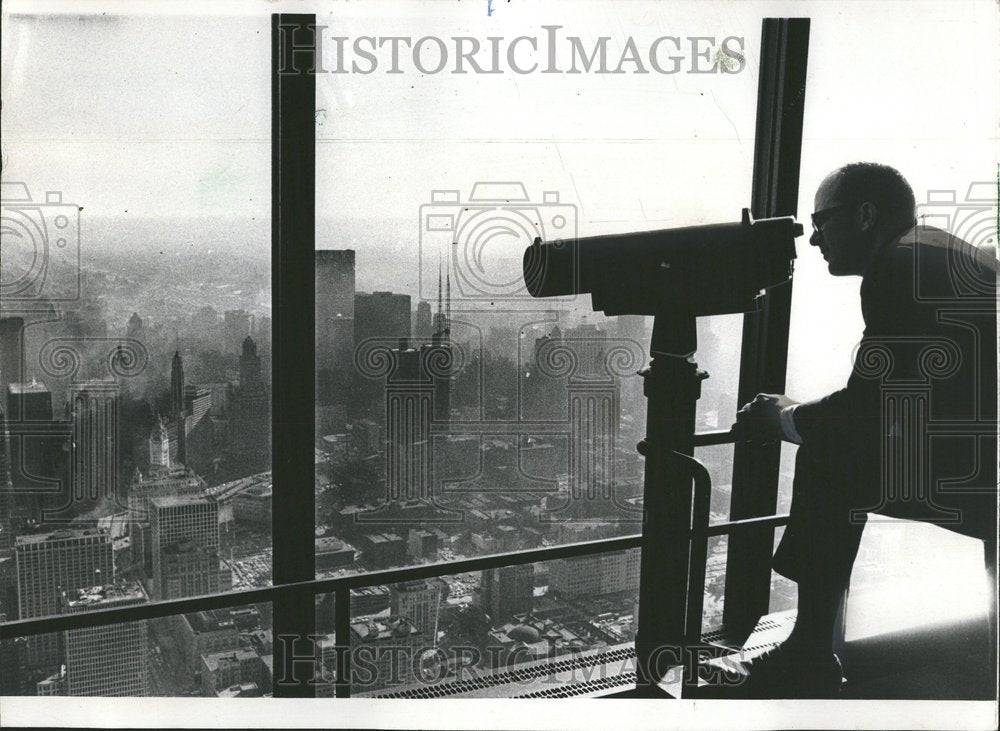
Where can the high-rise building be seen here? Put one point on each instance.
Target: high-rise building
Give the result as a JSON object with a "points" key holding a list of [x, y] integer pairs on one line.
{"points": [[94, 447], [29, 401], [110, 660], [160, 481], [197, 404], [176, 385], [381, 315], [235, 327], [417, 393], [134, 328], [251, 411], [185, 539], [32, 455], [6, 486], [420, 603], [507, 590], [12, 368], [164, 444], [385, 649], [49, 564], [177, 413], [604, 573], [423, 326], [334, 330]]}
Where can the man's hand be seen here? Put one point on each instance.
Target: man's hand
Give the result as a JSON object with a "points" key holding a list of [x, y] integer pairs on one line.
{"points": [[761, 418]]}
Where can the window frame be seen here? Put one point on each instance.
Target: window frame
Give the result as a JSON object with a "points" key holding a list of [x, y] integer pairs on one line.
{"points": [[778, 138]]}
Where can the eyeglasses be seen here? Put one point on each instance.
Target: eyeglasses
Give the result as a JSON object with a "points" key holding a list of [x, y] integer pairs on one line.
{"points": [[821, 217]]}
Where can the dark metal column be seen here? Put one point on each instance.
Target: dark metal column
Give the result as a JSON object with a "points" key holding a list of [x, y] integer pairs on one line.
{"points": [[777, 154], [293, 182]]}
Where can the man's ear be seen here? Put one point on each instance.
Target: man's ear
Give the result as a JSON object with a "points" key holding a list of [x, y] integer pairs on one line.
{"points": [[867, 216]]}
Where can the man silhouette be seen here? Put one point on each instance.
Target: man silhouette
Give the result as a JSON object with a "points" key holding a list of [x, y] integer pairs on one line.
{"points": [[928, 357]]}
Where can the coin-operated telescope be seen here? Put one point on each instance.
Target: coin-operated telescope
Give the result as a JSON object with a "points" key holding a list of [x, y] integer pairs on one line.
{"points": [[715, 269], [676, 275]]}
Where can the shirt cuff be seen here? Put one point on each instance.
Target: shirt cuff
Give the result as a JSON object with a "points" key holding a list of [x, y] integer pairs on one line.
{"points": [[788, 424]]}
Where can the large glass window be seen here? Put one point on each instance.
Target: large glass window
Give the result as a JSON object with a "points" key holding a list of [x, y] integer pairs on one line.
{"points": [[135, 336], [457, 415]]}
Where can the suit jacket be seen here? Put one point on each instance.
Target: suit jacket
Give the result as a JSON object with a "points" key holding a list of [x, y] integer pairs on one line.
{"points": [[914, 430]]}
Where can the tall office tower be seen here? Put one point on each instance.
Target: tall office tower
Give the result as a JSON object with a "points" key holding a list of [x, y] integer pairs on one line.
{"points": [[605, 573], [386, 649], [381, 315], [12, 368], [197, 404], [160, 481], [185, 538], [437, 358], [199, 431], [163, 444], [417, 393], [235, 327], [134, 328], [176, 385], [420, 603], [381, 319], [6, 488], [111, 660], [94, 447], [423, 326], [544, 380], [251, 411], [507, 590], [334, 324], [594, 415], [33, 453], [51, 563], [29, 401], [177, 413]]}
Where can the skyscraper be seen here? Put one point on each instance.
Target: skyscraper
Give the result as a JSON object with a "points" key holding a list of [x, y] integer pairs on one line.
{"points": [[386, 650], [11, 351], [423, 326], [160, 481], [177, 404], [334, 336], [6, 486], [185, 545], [251, 411], [381, 315], [94, 448], [506, 591], [420, 603], [49, 564], [110, 660]]}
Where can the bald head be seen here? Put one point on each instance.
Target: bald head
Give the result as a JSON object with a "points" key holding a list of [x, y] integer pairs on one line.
{"points": [[858, 208]]}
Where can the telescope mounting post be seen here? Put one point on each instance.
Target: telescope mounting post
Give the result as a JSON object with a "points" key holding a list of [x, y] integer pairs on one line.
{"points": [[672, 386]]}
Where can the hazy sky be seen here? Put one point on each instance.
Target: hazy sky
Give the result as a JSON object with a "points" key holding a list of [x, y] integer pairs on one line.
{"points": [[167, 116]]}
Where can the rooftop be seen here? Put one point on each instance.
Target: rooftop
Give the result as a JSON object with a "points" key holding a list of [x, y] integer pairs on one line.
{"points": [[375, 629], [27, 388], [208, 621], [94, 596], [168, 501], [63, 534]]}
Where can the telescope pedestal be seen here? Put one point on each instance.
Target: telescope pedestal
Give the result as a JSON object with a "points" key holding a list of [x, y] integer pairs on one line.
{"points": [[672, 386]]}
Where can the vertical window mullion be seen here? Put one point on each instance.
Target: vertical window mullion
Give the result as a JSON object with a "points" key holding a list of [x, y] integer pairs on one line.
{"points": [[293, 181]]}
